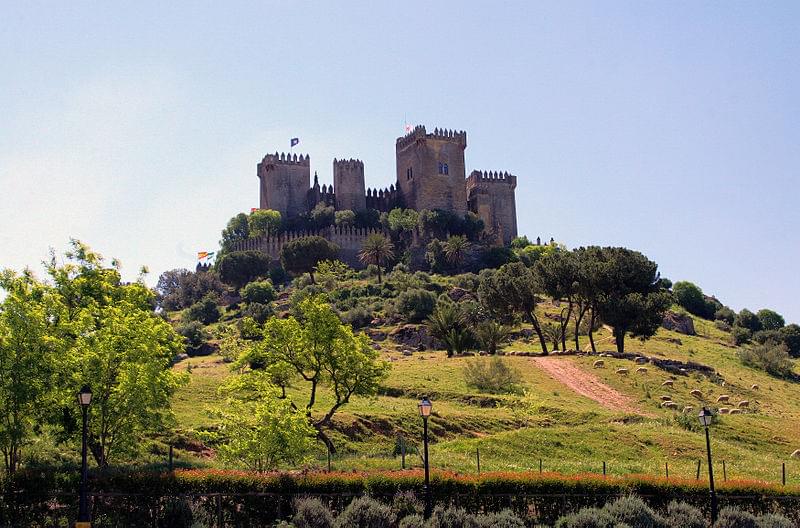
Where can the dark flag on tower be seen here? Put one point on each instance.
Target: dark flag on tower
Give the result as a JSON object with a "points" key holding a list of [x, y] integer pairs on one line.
{"points": [[293, 142]]}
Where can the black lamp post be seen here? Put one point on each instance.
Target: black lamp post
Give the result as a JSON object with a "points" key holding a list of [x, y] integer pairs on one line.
{"points": [[84, 399], [425, 411], [705, 417]]}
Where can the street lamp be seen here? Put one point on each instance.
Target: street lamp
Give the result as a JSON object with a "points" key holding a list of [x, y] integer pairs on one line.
{"points": [[84, 399], [705, 417], [425, 411]]}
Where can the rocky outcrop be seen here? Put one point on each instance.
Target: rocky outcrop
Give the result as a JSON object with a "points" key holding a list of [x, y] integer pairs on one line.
{"points": [[680, 323], [414, 336], [457, 294]]}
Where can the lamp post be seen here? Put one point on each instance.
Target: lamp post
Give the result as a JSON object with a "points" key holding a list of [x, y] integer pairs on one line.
{"points": [[84, 399], [705, 417], [425, 411]]}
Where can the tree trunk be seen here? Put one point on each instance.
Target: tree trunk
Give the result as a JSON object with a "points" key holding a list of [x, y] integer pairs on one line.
{"points": [[578, 318], [379, 273], [326, 440], [311, 274], [564, 323], [619, 337], [591, 331], [538, 329]]}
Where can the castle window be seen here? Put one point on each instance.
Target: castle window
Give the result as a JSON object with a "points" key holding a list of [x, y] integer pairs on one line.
{"points": [[409, 173], [441, 168], [445, 169]]}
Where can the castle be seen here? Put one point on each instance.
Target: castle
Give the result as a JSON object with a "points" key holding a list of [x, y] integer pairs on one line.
{"points": [[430, 175]]}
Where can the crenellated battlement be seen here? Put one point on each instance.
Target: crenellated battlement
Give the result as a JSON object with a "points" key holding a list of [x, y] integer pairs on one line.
{"points": [[477, 177], [284, 158], [348, 163], [419, 133]]}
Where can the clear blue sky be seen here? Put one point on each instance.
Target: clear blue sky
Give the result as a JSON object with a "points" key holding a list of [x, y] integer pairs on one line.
{"points": [[668, 127]]}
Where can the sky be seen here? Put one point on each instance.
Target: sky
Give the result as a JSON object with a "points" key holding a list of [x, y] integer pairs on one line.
{"points": [[672, 128]]}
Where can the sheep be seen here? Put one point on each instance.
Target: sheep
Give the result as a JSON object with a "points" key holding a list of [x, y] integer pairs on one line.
{"points": [[599, 363], [724, 410], [669, 405], [688, 409], [696, 393], [622, 371], [744, 404], [641, 370], [667, 383], [754, 386], [735, 411], [666, 398], [640, 360], [795, 454], [724, 398]]}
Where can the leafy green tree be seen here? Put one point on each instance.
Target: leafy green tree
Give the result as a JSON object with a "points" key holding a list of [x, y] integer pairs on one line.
{"points": [[442, 321], [346, 218], [455, 250], [749, 320], [770, 319], [368, 219], [321, 351], [322, 216], [558, 275], [237, 230], [740, 335], [302, 255], [29, 353], [205, 311], [195, 337], [492, 335], [259, 428], [378, 250], [528, 255], [402, 220], [631, 300], [725, 314], [240, 267], [520, 242], [512, 288], [472, 226], [791, 338], [179, 288], [415, 304], [435, 257], [264, 222], [259, 292], [690, 297]]}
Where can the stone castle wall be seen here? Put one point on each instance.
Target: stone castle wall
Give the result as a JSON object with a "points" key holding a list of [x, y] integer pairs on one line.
{"points": [[491, 197]]}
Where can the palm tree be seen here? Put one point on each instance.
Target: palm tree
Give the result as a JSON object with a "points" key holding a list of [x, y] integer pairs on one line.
{"points": [[491, 335], [442, 321], [455, 249], [378, 250]]}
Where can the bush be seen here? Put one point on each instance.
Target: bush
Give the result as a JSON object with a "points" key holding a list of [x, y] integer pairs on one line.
{"points": [[278, 275], [633, 511], [357, 317], [346, 218], [412, 521], [179, 288], [494, 375], [414, 305], [747, 319], [502, 519], [772, 520], [735, 518], [740, 335], [451, 518], [722, 325], [770, 357], [586, 518], [176, 514], [311, 513], [725, 314], [682, 515], [691, 297], [406, 503], [258, 312], [206, 311], [791, 338], [195, 337], [763, 336], [365, 512], [258, 292], [770, 319], [240, 267]]}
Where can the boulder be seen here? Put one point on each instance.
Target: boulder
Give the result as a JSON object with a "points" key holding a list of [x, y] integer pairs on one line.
{"points": [[680, 323], [376, 335], [413, 336], [457, 294]]}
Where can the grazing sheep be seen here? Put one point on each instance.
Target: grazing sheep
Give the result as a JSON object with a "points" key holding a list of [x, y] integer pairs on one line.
{"points": [[735, 411], [696, 393], [744, 404], [667, 383], [640, 360], [599, 363], [796, 454], [622, 371], [724, 398], [669, 405], [666, 398], [724, 410], [754, 386], [688, 409], [641, 370]]}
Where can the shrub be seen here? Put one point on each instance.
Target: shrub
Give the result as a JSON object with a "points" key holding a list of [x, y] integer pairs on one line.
{"points": [[451, 518], [773, 520], [494, 375], [406, 503], [740, 335], [195, 337], [345, 218], [311, 513], [722, 325], [502, 519], [735, 518], [747, 319], [278, 275], [179, 288], [357, 317], [586, 518], [365, 512], [258, 292], [633, 511], [414, 305], [682, 515], [791, 338], [240, 267], [691, 297], [206, 311], [770, 357], [492, 335], [176, 514], [770, 319], [725, 314], [258, 312], [412, 521], [763, 336]]}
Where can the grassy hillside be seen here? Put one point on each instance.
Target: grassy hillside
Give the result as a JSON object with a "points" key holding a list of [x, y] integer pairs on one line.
{"points": [[569, 432]]}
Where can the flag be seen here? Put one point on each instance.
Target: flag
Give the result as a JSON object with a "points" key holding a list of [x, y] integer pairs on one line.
{"points": [[293, 142], [202, 254], [409, 128], [253, 209]]}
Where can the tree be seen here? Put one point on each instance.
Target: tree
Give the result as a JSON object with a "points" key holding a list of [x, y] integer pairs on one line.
{"points": [[492, 335], [179, 288], [346, 218], [259, 292], [240, 267], [455, 250], [205, 311], [402, 220], [691, 297], [378, 250], [237, 230], [415, 304], [631, 300], [368, 219], [725, 314], [445, 319], [259, 428], [322, 216], [770, 320], [558, 276], [747, 319], [791, 338], [264, 222], [320, 350], [29, 353], [302, 255], [512, 288], [116, 344]]}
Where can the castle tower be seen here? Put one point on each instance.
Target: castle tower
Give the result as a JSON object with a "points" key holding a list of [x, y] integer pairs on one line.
{"points": [[284, 183], [491, 197], [430, 170], [348, 184]]}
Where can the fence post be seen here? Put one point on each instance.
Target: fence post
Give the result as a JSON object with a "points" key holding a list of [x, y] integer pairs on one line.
{"points": [[697, 477], [724, 472], [220, 520], [540, 465], [478, 456], [402, 451], [170, 458], [783, 473], [666, 469], [604, 468], [329, 459]]}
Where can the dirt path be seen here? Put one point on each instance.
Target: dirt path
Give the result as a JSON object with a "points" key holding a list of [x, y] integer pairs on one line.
{"points": [[587, 384]]}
